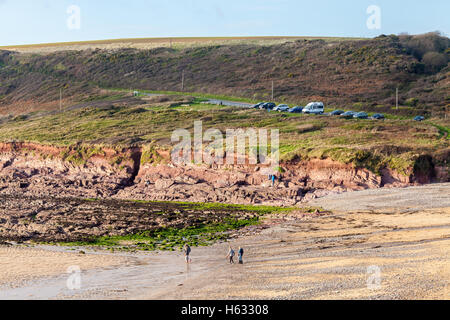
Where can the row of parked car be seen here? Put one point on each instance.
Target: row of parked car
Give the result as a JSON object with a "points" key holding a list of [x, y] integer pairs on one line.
{"points": [[319, 108], [312, 108], [315, 108], [356, 115]]}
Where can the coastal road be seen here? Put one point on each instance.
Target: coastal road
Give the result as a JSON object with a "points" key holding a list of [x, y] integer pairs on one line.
{"points": [[227, 103]]}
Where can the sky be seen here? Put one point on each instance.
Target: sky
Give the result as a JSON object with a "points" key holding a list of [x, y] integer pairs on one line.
{"points": [[44, 21]]}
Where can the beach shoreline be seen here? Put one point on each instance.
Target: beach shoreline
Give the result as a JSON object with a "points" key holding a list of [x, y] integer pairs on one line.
{"points": [[317, 256]]}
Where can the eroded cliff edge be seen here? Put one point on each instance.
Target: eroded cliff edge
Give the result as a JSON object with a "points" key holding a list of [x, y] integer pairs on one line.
{"points": [[102, 172]]}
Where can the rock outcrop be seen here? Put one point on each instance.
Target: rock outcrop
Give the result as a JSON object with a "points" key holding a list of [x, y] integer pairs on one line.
{"points": [[37, 170], [246, 184], [40, 171], [53, 219]]}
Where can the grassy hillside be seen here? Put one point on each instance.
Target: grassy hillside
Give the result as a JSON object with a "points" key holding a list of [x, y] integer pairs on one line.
{"points": [[395, 142], [360, 74]]}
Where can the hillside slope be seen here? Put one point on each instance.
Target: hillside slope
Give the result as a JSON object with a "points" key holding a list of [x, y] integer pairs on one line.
{"points": [[353, 74]]}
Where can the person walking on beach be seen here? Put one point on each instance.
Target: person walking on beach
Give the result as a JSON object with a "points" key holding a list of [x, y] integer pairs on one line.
{"points": [[187, 252], [231, 255], [241, 255]]}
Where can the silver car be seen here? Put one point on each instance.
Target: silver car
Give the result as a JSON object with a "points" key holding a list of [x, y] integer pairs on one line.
{"points": [[282, 108]]}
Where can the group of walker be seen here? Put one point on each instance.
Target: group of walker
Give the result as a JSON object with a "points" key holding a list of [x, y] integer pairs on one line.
{"points": [[231, 254]]}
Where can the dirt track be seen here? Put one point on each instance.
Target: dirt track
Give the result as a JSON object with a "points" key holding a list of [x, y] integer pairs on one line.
{"points": [[314, 257]]}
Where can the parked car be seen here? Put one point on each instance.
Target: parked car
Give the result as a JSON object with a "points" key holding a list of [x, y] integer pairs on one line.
{"points": [[256, 106], [378, 116], [314, 108], [419, 118], [348, 114], [268, 105], [281, 108], [296, 109], [336, 113], [361, 115]]}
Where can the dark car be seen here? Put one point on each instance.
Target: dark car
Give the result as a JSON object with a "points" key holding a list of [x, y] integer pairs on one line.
{"points": [[268, 105], [337, 112], [361, 115], [256, 106], [348, 114], [378, 116], [296, 109], [419, 118]]}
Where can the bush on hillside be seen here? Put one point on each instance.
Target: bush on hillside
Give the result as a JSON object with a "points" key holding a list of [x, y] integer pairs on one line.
{"points": [[434, 61], [420, 45]]}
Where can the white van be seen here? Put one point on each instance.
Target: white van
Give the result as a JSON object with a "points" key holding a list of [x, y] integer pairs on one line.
{"points": [[314, 108]]}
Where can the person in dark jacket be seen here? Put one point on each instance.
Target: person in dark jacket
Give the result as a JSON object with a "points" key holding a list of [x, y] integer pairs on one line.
{"points": [[241, 255], [187, 252]]}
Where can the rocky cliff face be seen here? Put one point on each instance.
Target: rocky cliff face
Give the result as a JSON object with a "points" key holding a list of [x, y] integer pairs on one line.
{"points": [[83, 172], [247, 184], [38, 170]]}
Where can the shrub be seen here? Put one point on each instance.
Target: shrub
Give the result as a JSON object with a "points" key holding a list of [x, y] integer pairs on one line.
{"points": [[434, 61], [358, 105], [419, 45], [412, 102]]}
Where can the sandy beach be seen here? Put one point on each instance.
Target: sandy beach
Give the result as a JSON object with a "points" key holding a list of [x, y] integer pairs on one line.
{"points": [[389, 252], [22, 264], [332, 257]]}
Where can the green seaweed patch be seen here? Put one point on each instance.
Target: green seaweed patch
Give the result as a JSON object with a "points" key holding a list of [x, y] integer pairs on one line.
{"points": [[198, 233], [200, 206], [170, 239]]}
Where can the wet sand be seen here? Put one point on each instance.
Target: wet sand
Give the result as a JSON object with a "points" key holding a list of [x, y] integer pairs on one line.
{"points": [[330, 256], [22, 264], [120, 276]]}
